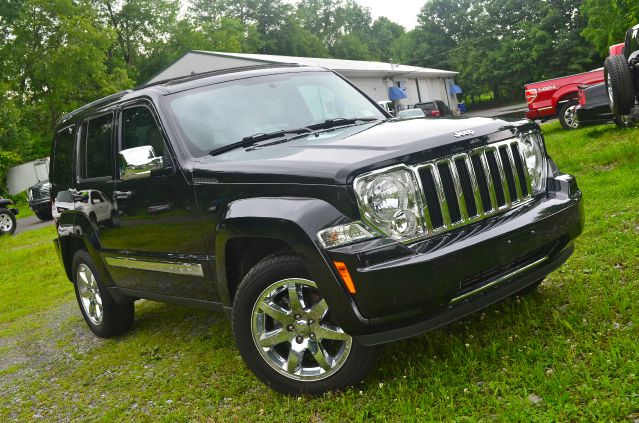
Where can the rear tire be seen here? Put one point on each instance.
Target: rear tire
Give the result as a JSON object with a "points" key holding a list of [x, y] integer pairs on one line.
{"points": [[621, 90], [280, 286], [8, 222], [568, 115], [103, 315], [44, 214]]}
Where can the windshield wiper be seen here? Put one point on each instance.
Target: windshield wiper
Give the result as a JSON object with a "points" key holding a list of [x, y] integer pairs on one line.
{"points": [[332, 123], [255, 138]]}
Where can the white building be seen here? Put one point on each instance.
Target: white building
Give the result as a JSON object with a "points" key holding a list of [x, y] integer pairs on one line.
{"points": [[374, 78]]}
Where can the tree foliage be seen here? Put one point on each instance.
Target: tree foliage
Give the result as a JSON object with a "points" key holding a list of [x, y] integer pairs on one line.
{"points": [[498, 45], [608, 21]]}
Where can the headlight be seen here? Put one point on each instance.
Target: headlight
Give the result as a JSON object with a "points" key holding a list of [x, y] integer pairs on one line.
{"points": [[389, 202], [535, 158], [29, 194]]}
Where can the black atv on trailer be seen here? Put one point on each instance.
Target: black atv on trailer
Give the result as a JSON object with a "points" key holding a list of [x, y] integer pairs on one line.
{"points": [[621, 75], [7, 217]]}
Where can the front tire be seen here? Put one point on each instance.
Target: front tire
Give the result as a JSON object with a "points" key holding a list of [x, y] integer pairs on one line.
{"points": [[286, 334], [568, 115], [103, 315], [621, 90], [7, 222]]}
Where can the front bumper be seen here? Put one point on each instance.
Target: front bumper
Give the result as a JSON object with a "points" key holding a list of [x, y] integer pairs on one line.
{"points": [[403, 291], [41, 204]]}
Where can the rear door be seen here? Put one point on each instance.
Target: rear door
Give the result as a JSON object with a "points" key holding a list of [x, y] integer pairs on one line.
{"points": [[95, 165]]}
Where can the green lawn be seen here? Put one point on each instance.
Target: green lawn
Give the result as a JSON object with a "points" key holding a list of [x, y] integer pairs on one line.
{"points": [[567, 353]]}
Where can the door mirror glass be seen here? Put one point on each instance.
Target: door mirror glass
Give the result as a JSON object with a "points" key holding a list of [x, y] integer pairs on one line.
{"points": [[138, 162]]}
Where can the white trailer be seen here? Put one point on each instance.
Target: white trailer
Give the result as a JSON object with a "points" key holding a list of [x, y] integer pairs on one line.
{"points": [[21, 177]]}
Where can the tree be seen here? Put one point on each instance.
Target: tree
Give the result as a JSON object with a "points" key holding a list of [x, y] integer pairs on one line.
{"points": [[608, 21], [350, 46], [383, 33], [136, 24], [56, 60], [499, 45]]}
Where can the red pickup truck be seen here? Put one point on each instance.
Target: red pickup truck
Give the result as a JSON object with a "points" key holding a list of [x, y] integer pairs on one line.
{"points": [[560, 96]]}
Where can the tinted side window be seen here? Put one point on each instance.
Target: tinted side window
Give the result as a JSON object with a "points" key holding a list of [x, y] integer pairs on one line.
{"points": [[62, 169], [96, 147], [139, 129]]}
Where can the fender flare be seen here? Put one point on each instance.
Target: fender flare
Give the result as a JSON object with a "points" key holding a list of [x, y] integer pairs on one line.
{"points": [[295, 221], [564, 94], [75, 228]]}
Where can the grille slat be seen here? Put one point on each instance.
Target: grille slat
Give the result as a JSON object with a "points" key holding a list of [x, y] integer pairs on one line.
{"points": [[514, 171], [450, 191], [470, 194], [441, 196], [522, 172], [469, 186]]}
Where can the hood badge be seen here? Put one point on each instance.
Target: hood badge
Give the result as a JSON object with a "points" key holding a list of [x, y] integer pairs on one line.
{"points": [[467, 133]]}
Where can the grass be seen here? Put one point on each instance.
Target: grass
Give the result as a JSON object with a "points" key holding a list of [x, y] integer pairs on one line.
{"points": [[20, 201], [566, 353]]}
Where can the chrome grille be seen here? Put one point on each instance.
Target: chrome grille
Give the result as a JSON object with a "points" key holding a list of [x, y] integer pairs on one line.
{"points": [[467, 187], [40, 191]]}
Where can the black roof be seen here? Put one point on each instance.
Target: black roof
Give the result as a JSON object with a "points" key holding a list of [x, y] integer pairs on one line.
{"points": [[181, 83]]}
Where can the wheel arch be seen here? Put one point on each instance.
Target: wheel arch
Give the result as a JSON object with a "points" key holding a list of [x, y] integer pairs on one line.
{"points": [[271, 224], [564, 95], [76, 232]]}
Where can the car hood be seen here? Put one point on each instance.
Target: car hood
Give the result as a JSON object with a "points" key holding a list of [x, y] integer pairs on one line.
{"points": [[338, 155]]}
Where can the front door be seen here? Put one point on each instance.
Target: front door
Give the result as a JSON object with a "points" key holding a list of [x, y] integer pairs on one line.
{"points": [[156, 244]]}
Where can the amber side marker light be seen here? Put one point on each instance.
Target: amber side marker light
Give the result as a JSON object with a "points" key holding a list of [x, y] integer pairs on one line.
{"points": [[346, 277]]}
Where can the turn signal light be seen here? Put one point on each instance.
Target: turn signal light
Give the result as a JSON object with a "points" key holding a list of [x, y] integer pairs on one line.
{"points": [[345, 275]]}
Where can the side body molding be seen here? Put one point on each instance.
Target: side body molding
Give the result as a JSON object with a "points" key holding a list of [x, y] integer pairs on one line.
{"points": [[296, 222]]}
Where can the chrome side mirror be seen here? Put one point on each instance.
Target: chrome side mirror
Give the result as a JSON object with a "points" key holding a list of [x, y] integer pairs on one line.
{"points": [[138, 162]]}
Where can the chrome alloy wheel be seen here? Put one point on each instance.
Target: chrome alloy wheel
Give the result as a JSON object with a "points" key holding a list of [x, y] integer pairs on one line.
{"points": [[292, 331], [89, 294], [570, 116], [6, 223]]}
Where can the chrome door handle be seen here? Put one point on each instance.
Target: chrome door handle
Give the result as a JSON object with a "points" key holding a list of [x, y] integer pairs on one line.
{"points": [[122, 195]]}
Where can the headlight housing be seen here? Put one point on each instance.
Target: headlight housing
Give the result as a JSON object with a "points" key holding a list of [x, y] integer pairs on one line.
{"points": [[535, 160], [389, 201]]}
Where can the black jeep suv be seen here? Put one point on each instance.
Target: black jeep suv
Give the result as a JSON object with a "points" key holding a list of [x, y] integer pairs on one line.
{"points": [[288, 199], [621, 75]]}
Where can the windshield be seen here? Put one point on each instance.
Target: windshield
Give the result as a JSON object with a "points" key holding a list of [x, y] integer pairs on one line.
{"points": [[217, 115]]}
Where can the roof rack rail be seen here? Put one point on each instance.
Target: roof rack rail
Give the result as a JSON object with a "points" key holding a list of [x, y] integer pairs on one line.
{"points": [[96, 103], [198, 75]]}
